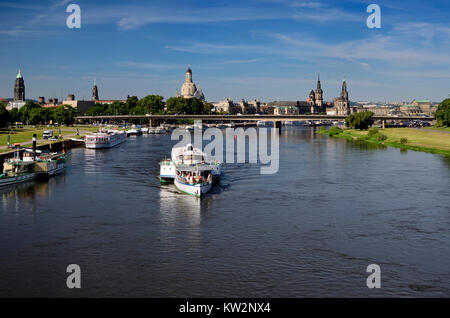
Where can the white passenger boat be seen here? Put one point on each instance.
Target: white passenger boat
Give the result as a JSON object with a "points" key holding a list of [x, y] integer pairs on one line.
{"points": [[134, 131], [105, 139], [186, 155], [157, 130], [194, 179]]}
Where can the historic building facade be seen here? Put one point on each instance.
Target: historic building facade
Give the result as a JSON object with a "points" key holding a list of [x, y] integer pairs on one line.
{"points": [[189, 89], [315, 99], [19, 93], [342, 103], [19, 88]]}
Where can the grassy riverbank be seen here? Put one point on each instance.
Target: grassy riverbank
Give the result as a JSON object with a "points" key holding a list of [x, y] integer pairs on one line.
{"points": [[427, 140], [24, 135]]}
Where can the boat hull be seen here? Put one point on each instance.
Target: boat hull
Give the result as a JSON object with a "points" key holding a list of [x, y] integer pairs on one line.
{"points": [[18, 179], [197, 190]]}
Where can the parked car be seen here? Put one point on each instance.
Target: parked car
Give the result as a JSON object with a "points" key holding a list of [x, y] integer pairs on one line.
{"points": [[47, 134]]}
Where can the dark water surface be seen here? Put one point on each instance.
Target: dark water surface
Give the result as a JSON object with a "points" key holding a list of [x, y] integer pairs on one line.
{"points": [[311, 230]]}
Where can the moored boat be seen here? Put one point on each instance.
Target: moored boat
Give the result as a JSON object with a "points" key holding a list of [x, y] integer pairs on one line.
{"points": [[16, 170], [50, 164], [104, 139]]}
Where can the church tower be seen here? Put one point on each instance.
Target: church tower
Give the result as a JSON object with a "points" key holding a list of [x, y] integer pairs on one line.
{"points": [[188, 88], [95, 92], [189, 75], [19, 88], [341, 103], [319, 94], [344, 92]]}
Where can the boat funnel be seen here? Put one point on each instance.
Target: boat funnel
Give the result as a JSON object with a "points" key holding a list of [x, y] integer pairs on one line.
{"points": [[34, 144]]}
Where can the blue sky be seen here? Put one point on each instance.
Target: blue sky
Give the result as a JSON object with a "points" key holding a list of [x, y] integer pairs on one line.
{"points": [[266, 49]]}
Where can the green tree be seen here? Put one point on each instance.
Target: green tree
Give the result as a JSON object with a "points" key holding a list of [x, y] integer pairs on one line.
{"points": [[96, 110], [64, 114], [131, 102], [4, 116], [14, 115], [152, 103], [442, 114], [116, 108], [35, 116], [359, 121], [25, 110], [177, 105]]}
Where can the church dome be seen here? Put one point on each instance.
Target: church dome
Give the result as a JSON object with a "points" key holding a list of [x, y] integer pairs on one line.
{"points": [[199, 94], [188, 89]]}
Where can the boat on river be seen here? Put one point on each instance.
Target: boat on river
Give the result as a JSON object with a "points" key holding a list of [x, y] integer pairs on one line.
{"points": [[193, 179], [49, 164], [105, 139], [186, 155], [16, 170]]}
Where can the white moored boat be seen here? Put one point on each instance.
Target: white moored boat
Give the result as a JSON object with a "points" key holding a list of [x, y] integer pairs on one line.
{"points": [[105, 139]]}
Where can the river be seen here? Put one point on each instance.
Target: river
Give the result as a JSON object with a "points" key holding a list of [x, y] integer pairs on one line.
{"points": [[311, 230]]}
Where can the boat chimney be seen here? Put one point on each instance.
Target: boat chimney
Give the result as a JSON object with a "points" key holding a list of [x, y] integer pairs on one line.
{"points": [[34, 145]]}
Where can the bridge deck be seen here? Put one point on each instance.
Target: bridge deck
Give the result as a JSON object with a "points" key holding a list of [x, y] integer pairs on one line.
{"points": [[244, 117]]}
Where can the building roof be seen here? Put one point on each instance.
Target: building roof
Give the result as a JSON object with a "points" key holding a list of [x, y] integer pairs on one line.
{"points": [[422, 100], [19, 75]]}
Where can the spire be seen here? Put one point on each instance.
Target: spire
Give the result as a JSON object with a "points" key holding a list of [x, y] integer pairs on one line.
{"points": [[344, 85], [19, 75], [95, 91]]}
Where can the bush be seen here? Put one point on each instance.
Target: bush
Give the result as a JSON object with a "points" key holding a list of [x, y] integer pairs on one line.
{"points": [[333, 131], [403, 140], [381, 137], [359, 121], [442, 114], [373, 132]]}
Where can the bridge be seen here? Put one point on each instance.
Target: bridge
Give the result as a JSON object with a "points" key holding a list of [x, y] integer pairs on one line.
{"points": [[277, 119]]}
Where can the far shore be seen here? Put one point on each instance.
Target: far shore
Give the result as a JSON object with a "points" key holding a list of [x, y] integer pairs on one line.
{"points": [[431, 139]]}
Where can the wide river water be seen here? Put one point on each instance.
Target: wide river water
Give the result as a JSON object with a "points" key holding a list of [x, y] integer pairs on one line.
{"points": [[311, 230]]}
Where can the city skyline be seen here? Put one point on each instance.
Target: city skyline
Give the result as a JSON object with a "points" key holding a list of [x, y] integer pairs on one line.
{"points": [[270, 50]]}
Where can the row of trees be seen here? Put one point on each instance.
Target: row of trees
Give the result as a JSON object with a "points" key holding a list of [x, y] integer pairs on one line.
{"points": [[33, 114], [151, 104], [133, 106]]}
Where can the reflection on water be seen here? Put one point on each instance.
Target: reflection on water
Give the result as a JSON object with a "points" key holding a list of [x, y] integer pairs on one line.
{"points": [[310, 230]]}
